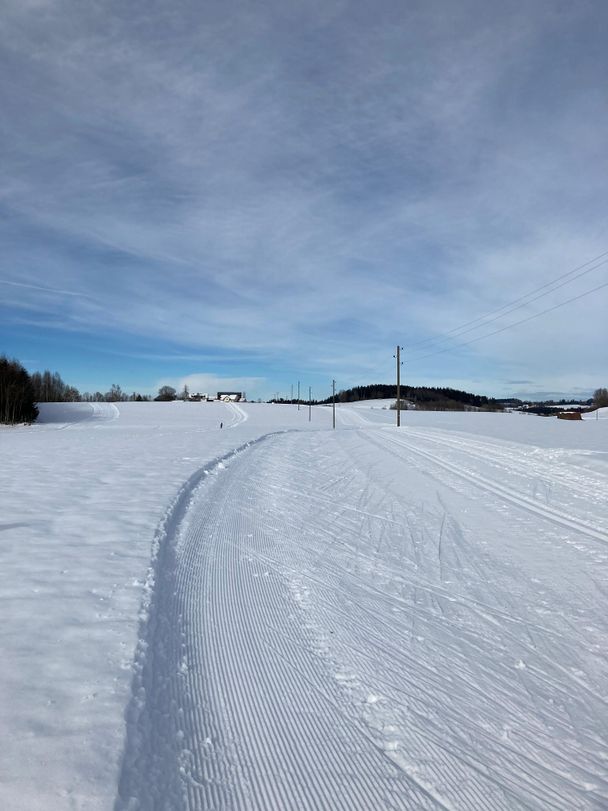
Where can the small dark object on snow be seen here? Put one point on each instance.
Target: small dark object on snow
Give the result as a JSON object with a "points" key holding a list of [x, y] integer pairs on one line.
{"points": [[221, 424]]}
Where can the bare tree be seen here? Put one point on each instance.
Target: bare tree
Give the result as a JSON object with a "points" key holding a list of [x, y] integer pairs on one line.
{"points": [[17, 401], [166, 393], [600, 398], [115, 395], [50, 388]]}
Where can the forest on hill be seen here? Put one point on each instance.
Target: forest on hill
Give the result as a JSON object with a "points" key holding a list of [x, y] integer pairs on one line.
{"points": [[422, 397]]}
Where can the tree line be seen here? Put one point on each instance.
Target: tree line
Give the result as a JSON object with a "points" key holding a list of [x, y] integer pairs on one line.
{"points": [[446, 399], [50, 388], [423, 397], [17, 400], [20, 392]]}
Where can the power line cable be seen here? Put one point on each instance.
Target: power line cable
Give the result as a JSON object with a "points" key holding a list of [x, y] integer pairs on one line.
{"points": [[518, 303], [509, 326], [510, 309]]}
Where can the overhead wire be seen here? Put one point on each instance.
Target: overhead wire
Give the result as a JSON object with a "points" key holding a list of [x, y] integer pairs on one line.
{"points": [[509, 326], [518, 303]]}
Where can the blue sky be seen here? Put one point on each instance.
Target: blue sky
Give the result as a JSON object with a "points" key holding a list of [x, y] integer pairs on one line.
{"points": [[244, 195]]}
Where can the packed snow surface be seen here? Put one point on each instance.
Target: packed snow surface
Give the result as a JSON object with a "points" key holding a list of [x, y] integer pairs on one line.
{"points": [[279, 615]]}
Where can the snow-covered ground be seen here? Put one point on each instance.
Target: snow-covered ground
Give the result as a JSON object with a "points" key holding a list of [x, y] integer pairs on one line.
{"points": [[598, 414], [278, 615]]}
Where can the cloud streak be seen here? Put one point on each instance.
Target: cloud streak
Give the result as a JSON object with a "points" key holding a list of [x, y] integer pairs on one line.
{"points": [[312, 181]]}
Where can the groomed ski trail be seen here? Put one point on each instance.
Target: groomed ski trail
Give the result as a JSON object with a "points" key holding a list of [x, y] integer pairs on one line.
{"points": [[518, 498], [232, 707], [323, 635]]}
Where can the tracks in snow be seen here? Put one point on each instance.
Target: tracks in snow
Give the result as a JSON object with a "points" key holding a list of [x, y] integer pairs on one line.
{"points": [[324, 632], [62, 416], [240, 415], [519, 499], [231, 707]]}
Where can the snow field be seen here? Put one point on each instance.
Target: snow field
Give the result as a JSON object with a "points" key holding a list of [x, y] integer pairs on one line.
{"points": [[81, 497], [365, 618]]}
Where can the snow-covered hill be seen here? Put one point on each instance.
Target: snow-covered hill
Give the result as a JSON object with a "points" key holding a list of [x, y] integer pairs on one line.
{"points": [[597, 414]]}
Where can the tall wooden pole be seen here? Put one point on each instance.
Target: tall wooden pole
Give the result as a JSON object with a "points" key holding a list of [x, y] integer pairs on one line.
{"points": [[398, 386], [309, 403], [333, 402]]}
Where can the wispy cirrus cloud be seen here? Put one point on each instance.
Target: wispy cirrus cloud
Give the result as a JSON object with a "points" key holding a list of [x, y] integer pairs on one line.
{"points": [[313, 181]]}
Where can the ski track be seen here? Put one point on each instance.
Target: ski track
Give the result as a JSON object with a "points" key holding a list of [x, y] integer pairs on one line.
{"points": [[240, 415], [231, 706], [76, 416], [537, 471], [517, 498], [317, 636]]}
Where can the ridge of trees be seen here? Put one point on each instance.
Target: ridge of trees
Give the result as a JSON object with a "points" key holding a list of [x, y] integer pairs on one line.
{"points": [[50, 388], [423, 397], [115, 395], [21, 391]]}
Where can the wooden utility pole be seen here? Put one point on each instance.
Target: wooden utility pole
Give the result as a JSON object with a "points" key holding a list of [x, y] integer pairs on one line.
{"points": [[398, 356], [333, 402], [309, 403], [298, 395]]}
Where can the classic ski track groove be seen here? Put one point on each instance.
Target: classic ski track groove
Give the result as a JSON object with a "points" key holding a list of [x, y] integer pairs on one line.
{"points": [[518, 499], [269, 622], [154, 634], [214, 722], [586, 482]]}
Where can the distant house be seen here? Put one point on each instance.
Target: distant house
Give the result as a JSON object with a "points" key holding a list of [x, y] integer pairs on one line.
{"points": [[230, 396]]}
